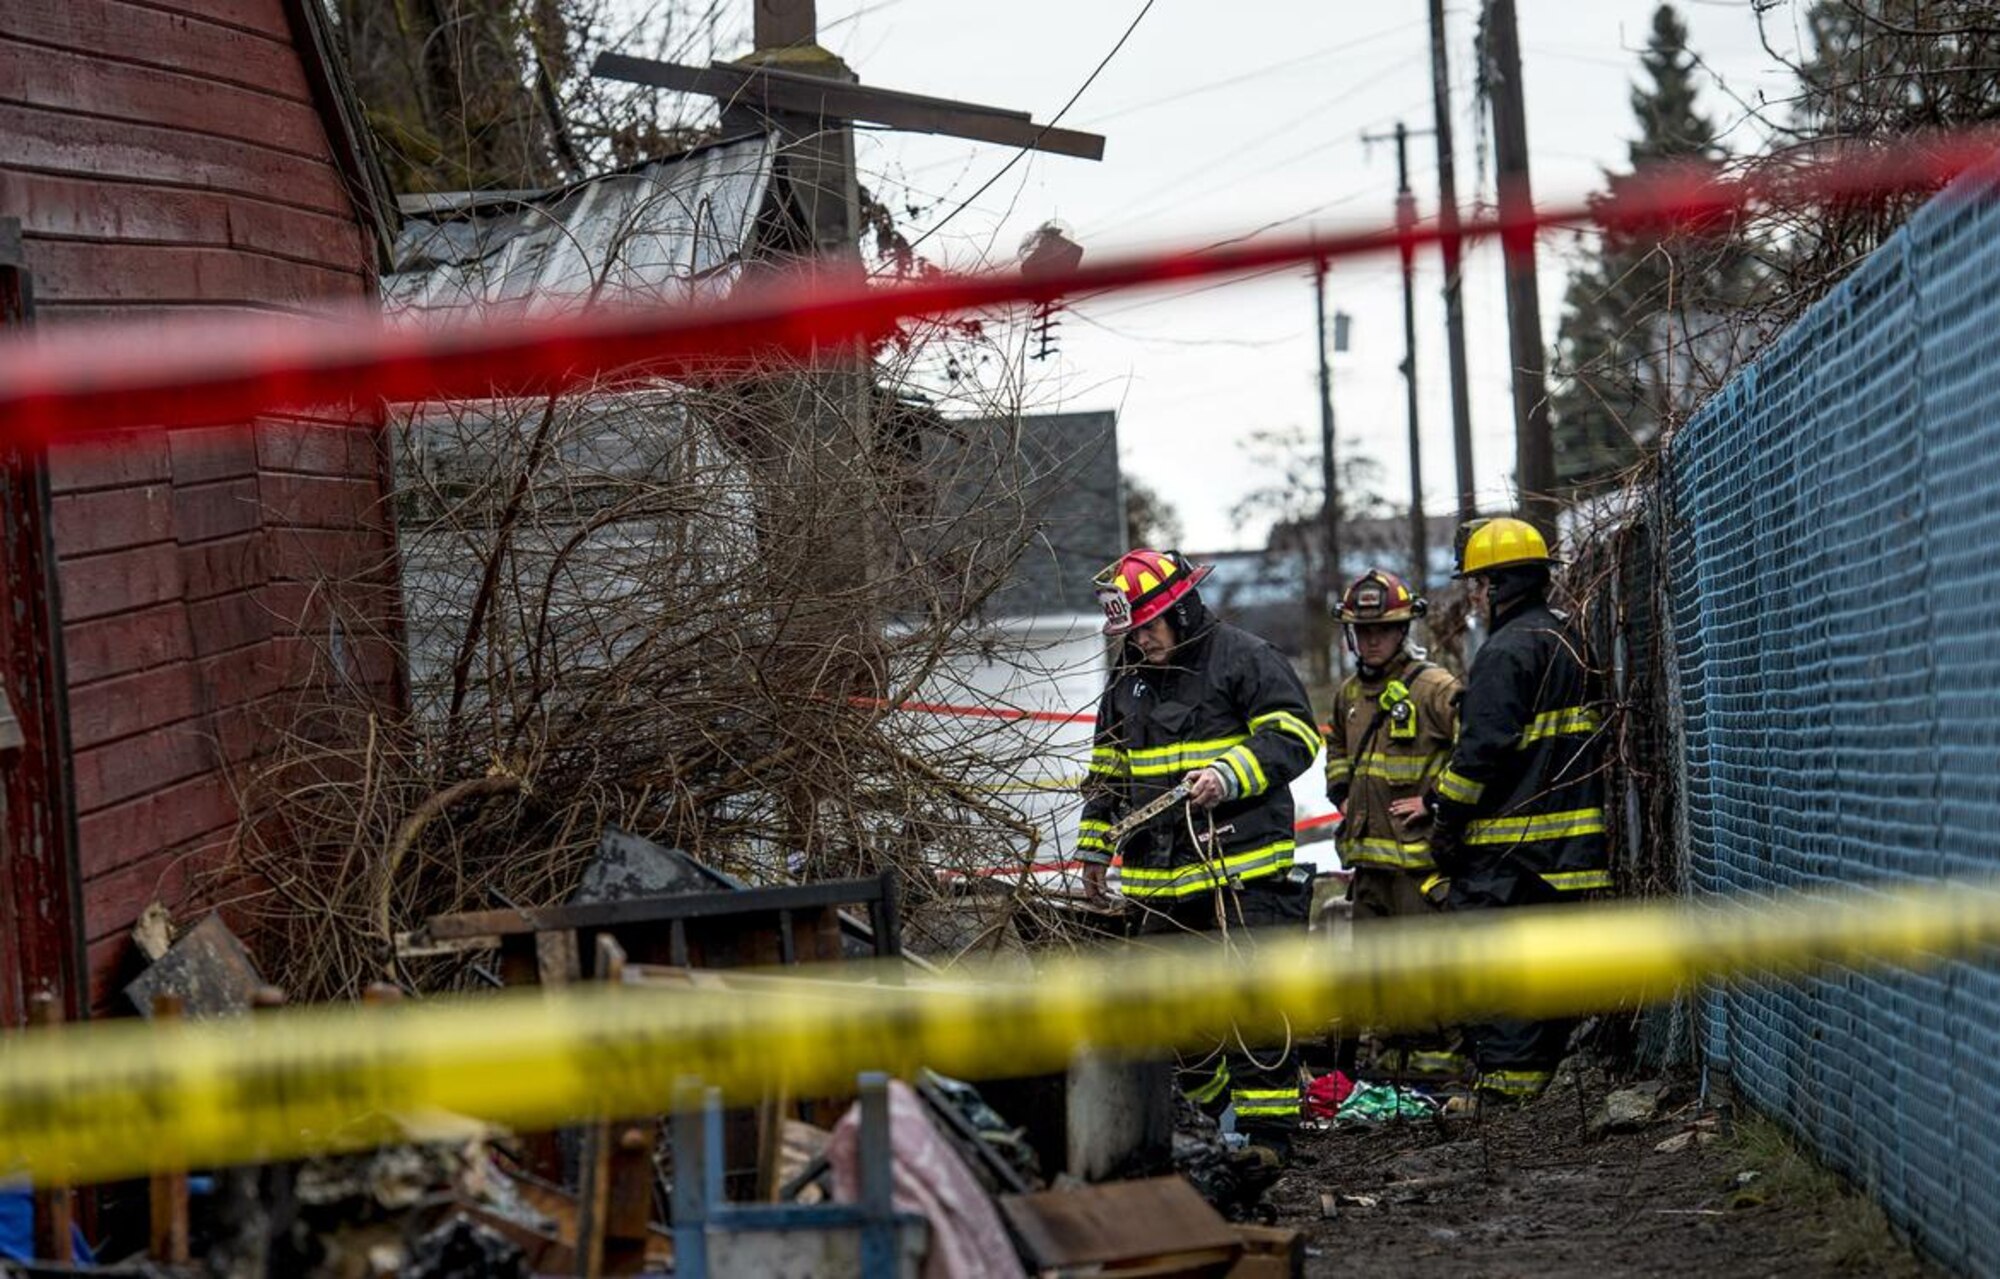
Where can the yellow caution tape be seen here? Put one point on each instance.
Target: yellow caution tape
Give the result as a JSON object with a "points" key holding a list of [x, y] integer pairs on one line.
{"points": [[91, 1102]]}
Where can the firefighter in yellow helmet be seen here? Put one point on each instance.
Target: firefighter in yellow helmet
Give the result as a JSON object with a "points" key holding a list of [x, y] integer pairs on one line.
{"points": [[1391, 732], [1519, 810]]}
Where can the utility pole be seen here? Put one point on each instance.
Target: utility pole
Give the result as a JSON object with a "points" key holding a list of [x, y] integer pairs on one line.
{"points": [[1406, 222], [1328, 586], [1452, 249], [1534, 455]]}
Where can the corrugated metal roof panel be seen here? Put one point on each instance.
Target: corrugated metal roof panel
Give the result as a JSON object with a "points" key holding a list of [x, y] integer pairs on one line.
{"points": [[671, 231]]}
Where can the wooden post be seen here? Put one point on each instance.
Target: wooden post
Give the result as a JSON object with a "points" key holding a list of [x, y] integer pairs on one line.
{"points": [[1534, 451], [1451, 248], [1406, 221], [771, 1144], [784, 24], [1319, 621], [168, 1191], [616, 1201], [54, 1204]]}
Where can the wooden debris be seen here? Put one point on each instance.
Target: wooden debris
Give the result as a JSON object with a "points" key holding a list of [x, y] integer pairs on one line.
{"points": [[1160, 1226], [167, 1192], [1270, 1252], [207, 970], [54, 1205]]}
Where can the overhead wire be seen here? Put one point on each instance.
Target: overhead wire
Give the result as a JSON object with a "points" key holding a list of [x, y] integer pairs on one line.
{"points": [[1054, 120], [1241, 77]]}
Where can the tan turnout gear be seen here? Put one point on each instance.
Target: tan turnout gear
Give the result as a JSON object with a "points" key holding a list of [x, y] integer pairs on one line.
{"points": [[1389, 739]]}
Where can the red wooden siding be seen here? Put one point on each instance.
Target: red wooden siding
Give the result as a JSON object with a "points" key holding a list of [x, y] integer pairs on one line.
{"points": [[168, 157]]}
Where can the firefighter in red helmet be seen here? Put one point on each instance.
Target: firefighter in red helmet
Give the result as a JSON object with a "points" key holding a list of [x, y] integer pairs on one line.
{"points": [[1390, 735], [1195, 701]]}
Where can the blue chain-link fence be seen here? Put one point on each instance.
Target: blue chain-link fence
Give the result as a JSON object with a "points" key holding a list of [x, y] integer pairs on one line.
{"points": [[1835, 591]]}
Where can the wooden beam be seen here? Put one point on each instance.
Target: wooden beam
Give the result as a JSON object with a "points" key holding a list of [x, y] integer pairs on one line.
{"points": [[766, 89], [655, 910], [802, 80]]}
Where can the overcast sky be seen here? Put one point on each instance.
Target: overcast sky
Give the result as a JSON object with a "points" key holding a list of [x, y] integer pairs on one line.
{"points": [[1223, 119]]}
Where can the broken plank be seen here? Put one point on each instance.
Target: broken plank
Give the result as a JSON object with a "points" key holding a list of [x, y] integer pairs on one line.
{"points": [[1130, 1222], [651, 910]]}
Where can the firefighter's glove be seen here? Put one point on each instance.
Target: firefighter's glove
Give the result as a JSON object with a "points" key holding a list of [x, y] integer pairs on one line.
{"points": [[1435, 889], [1208, 787]]}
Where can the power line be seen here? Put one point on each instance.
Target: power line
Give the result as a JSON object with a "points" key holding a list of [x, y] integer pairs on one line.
{"points": [[1142, 208], [1252, 74], [1053, 122]]}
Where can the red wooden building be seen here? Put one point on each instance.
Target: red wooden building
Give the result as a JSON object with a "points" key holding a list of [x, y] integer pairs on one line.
{"points": [[163, 158]]}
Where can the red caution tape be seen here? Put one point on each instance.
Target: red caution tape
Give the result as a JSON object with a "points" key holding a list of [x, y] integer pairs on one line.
{"points": [[80, 381]]}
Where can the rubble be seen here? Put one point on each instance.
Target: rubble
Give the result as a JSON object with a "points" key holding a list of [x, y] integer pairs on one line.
{"points": [[1629, 1109], [207, 969]]}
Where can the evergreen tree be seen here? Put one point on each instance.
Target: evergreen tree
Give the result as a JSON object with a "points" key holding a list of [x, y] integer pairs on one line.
{"points": [[1644, 324]]}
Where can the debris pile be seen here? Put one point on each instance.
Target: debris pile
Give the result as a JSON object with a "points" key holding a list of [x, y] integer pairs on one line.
{"points": [[928, 1176]]}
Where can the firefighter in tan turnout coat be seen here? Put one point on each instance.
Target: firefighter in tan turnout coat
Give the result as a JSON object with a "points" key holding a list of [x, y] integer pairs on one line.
{"points": [[1391, 734]]}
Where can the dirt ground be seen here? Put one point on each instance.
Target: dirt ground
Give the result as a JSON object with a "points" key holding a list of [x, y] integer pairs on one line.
{"points": [[1529, 1193]]}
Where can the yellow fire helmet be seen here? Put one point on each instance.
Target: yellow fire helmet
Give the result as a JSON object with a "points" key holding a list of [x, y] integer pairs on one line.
{"points": [[1502, 543]]}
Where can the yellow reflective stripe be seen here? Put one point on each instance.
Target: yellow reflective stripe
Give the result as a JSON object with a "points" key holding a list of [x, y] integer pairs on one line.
{"points": [[1199, 877], [1569, 721], [1249, 769], [1250, 1102], [1209, 1090], [1438, 1062], [1228, 760], [1286, 722], [1337, 768], [1576, 881], [1232, 864], [1535, 827], [1413, 855], [1182, 757], [1458, 788], [1211, 746], [1107, 759], [1395, 768], [1515, 1083], [1431, 882]]}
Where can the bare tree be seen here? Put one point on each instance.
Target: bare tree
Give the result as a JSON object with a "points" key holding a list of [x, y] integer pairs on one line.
{"points": [[483, 95]]}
